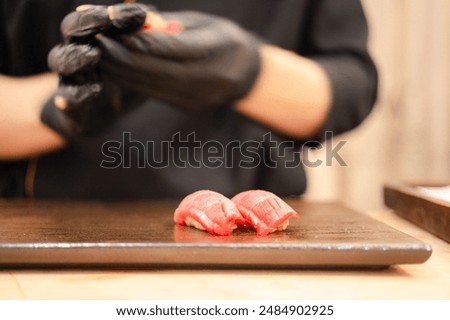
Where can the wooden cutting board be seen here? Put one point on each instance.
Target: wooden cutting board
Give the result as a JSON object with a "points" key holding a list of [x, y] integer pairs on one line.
{"points": [[142, 234]]}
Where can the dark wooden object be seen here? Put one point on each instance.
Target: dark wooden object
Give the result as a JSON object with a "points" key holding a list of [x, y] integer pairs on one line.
{"points": [[142, 234], [428, 213]]}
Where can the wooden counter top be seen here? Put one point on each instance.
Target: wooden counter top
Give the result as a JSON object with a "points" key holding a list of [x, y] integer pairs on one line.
{"points": [[430, 280]]}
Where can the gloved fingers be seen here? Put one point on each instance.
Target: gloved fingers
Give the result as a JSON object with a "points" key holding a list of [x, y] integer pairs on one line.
{"points": [[137, 70], [69, 59], [128, 17], [77, 111], [86, 22], [176, 47], [189, 19], [89, 20], [122, 61], [201, 36], [204, 29], [73, 98]]}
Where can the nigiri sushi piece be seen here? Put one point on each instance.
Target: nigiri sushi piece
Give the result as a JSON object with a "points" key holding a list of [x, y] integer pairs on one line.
{"points": [[263, 211], [210, 211]]}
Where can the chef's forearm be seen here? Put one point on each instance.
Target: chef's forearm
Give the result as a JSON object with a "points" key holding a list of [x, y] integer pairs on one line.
{"points": [[292, 94], [22, 134]]}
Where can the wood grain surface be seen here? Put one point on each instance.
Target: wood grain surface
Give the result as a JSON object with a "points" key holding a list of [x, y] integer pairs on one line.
{"points": [[415, 206], [430, 280], [143, 234]]}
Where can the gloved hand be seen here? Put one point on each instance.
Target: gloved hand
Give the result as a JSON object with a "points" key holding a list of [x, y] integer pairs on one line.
{"points": [[209, 63], [85, 103]]}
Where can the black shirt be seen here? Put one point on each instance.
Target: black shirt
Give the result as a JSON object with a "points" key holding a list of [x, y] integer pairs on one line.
{"points": [[121, 162]]}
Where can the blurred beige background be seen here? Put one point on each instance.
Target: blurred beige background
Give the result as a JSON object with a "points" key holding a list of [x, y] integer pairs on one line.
{"points": [[407, 137]]}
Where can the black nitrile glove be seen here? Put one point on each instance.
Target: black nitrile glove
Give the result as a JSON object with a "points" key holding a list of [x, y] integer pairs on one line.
{"points": [[89, 20], [209, 63], [80, 105], [84, 102]]}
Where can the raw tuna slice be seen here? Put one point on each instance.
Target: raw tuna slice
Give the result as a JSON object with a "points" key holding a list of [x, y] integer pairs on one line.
{"points": [[210, 211], [263, 211]]}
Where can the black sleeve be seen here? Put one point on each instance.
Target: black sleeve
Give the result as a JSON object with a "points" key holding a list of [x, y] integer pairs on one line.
{"points": [[2, 42], [338, 42]]}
